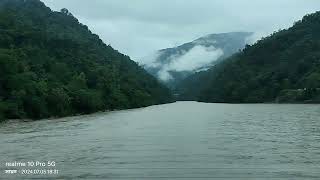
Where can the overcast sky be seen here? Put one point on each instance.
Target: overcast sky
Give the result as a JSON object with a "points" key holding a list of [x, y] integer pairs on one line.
{"points": [[139, 27]]}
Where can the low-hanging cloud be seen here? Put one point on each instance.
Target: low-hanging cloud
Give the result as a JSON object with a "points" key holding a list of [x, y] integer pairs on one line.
{"points": [[197, 57], [193, 60], [255, 37], [164, 75]]}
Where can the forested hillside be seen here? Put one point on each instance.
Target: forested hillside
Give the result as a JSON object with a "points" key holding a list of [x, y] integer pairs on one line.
{"points": [[52, 65], [284, 67]]}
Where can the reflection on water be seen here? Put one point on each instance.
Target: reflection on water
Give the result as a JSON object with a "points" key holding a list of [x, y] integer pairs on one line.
{"points": [[184, 140]]}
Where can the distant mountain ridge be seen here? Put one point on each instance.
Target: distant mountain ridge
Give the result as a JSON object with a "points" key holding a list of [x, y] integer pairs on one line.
{"points": [[171, 65]]}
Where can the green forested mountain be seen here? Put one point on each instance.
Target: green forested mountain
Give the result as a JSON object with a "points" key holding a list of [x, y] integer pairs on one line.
{"points": [[52, 65], [284, 67]]}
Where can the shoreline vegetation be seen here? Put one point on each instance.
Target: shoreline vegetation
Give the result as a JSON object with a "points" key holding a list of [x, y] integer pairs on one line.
{"points": [[81, 115], [119, 110]]}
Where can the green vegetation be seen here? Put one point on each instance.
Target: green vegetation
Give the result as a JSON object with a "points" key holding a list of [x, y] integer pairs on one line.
{"points": [[52, 65], [284, 67]]}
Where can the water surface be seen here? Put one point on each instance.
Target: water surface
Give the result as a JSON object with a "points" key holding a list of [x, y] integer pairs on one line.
{"points": [[183, 140]]}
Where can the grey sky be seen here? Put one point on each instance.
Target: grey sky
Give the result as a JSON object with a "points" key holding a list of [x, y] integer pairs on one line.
{"points": [[139, 27]]}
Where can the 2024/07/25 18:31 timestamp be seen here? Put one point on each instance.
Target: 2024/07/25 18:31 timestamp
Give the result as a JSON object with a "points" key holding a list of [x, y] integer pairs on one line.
{"points": [[39, 171]]}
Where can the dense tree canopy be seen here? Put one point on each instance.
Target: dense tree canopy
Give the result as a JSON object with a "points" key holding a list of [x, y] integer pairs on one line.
{"points": [[52, 65], [283, 67]]}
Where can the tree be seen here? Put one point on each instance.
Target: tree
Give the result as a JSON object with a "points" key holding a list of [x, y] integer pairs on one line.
{"points": [[66, 12], [59, 102]]}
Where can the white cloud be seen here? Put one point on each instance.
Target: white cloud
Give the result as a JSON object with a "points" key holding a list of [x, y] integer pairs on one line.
{"points": [[255, 37], [151, 60], [164, 74], [197, 57]]}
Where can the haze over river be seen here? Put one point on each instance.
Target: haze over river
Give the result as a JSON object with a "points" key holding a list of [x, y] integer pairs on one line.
{"points": [[183, 140]]}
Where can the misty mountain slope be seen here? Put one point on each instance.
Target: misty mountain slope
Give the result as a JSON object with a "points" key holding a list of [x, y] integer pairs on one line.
{"points": [[51, 65], [284, 67], [174, 64]]}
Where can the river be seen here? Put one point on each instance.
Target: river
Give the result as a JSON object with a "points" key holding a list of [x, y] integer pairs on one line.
{"points": [[183, 140]]}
